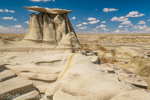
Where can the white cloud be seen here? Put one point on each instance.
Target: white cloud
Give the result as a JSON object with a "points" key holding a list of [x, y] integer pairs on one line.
{"points": [[148, 20], [141, 22], [41, 0], [103, 22], [120, 19], [17, 26], [134, 14], [46, 0], [143, 27], [126, 23], [126, 31], [36, 0], [12, 11], [84, 23], [105, 29], [27, 22], [83, 27], [95, 9], [6, 10], [1, 10], [6, 18], [15, 19], [78, 25], [142, 31], [94, 22], [12, 29], [91, 19], [118, 31], [120, 26], [102, 25], [3, 28], [148, 29], [109, 9], [135, 27], [73, 17]]}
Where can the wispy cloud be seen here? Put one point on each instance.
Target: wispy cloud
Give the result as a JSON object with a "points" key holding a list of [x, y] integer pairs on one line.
{"points": [[84, 23], [105, 29], [78, 25], [148, 20], [101, 26], [91, 19], [120, 26], [109, 9], [17, 26], [12, 29], [118, 31], [103, 22], [134, 14], [15, 19], [73, 17], [27, 22], [6, 10], [6, 18], [120, 19], [126, 23], [9, 18], [143, 27], [141, 22], [94, 22], [83, 27]]}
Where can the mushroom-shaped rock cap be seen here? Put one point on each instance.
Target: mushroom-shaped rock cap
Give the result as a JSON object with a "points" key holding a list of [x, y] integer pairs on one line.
{"points": [[48, 10]]}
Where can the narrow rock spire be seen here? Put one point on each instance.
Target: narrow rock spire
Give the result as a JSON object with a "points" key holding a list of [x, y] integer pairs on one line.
{"points": [[34, 32]]}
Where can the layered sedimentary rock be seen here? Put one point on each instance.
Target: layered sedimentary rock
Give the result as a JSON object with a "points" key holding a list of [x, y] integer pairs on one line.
{"points": [[13, 87], [48, 10], [82, 80], [53, 26]]}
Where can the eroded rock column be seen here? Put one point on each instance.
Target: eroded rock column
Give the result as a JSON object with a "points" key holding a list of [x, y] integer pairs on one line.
{"points": [[49, 34], [53, 29], [34, 32]]}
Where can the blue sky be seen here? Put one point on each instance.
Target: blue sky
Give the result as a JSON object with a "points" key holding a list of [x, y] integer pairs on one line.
{"points": [[88, 16]]}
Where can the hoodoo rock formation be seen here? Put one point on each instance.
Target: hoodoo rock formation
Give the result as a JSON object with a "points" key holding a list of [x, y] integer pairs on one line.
{"points": [[52, 26], [51, 29]]}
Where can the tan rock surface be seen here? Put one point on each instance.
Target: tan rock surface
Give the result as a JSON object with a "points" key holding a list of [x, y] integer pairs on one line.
{"points": [[6, 74], [12, 86], [127, 76], [34, 32], [48, 10]]}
